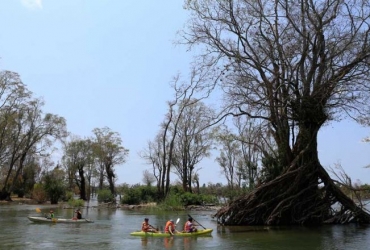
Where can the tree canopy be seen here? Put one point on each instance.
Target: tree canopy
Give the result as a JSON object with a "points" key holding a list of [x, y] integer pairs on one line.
{"points": [[294, 66]]}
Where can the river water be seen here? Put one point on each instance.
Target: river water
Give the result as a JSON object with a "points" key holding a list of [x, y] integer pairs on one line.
{"points": [[111, 230]]}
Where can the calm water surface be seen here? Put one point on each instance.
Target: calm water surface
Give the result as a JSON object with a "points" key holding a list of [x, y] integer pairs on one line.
{"points": [[112, 228]]}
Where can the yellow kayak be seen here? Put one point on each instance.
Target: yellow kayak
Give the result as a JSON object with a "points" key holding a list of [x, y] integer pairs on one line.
{"points": [[206, 231]]}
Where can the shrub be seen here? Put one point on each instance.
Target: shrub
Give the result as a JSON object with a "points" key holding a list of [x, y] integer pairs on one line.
{"points": [[139, 194], [105, 195], [196, 199], [172, 202], [39, 194], [68, 195], [76, 202]]}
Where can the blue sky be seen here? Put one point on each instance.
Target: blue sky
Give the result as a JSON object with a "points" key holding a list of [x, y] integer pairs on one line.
{"points": [[109, 63]]}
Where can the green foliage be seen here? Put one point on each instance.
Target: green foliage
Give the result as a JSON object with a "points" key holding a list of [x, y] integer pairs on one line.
{"points": [[139, 194], [196, 199], [54, 186], [68, 195], [105, 195], [177, 199], [76, 202], [172, 202], [39, 194]]}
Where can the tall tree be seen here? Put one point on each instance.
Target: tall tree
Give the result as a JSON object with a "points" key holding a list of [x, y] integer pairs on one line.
{"points": [[295, 65], [26, 131], [193, 141], [161, 153], [77, 158], [153, 156], [109, 153], [229, 158]]}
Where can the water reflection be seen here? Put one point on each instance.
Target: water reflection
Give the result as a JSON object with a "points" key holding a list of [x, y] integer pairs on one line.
{"points": [[112, 228]]}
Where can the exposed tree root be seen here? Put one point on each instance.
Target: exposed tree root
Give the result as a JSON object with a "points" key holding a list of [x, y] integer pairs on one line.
{"points": [[299, 196]]}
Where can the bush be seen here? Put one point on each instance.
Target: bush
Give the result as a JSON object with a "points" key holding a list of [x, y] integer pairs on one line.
{"points": [[172, 202], [139, 194], [105, 195], [54, 187], [76, 202], [68, 196], [39, 194]]}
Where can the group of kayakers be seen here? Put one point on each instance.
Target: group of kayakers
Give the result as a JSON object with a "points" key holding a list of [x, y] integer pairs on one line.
{"points": [[78, 215], [170, 227]]}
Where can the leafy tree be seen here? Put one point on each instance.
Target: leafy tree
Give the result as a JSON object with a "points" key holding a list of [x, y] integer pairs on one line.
{"points": [[293, 66], [78, 156], [25, 130], [109, 152], [54, 184]]}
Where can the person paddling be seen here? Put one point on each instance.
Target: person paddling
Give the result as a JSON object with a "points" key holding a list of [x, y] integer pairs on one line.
{"points": [[50, 215], [189, 227], [78, 215], [170, 227], [146, 227]]}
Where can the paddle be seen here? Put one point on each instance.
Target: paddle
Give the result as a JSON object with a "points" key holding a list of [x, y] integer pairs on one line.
{"points": [[177, 221], [38, 210], [196, 221], [155, 228]]}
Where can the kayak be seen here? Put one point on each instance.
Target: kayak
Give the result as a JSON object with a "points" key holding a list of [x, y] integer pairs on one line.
{"points": [[57, 220], [206, 231]]}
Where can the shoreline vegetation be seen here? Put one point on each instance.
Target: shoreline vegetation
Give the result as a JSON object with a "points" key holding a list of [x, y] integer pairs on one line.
{"points": [[112, 205]]}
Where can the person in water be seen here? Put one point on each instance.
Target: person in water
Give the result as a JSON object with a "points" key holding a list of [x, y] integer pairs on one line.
{"points": [[146, 227], [189, 227], [170, 227]]}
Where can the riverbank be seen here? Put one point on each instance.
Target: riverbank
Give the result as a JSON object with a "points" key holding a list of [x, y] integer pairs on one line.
{"points": [[17, 200], [64, 205]]}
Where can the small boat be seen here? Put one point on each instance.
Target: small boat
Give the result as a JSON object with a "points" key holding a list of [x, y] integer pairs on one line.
{"points": [[57, 220], [203, 232]]}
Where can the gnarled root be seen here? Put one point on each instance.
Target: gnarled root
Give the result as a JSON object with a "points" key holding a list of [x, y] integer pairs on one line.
{"points": [[303, 195]]}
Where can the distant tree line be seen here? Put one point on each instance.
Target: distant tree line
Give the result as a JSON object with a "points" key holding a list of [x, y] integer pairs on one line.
{"points": [[28, 138]]}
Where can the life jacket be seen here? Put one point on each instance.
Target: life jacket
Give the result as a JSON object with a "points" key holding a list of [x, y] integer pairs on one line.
{"points": [[144, 227], [168, 225], [188, 226]]}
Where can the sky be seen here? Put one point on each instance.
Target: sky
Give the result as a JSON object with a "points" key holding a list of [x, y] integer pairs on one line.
{"points": [[109, 63]]}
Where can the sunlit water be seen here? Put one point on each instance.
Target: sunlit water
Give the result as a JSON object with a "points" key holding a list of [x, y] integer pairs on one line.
{"points": [[112, 227]]}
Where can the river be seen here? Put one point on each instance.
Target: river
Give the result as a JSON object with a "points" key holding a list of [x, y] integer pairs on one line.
{"points": [[111, 230]]}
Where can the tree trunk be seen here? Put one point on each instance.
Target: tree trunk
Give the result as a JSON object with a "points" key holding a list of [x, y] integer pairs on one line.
{"points": [[110, 177], [82, 184], [302, 194]]}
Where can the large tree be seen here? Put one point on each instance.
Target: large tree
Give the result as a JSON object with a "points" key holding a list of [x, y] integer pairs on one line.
{"points": [[109, 153], [294, 65], [193, 140], [77, 158], [24, 129], [162, 153]]}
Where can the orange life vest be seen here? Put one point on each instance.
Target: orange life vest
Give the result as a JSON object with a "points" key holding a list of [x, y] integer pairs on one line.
{"points": [[169, 225]]}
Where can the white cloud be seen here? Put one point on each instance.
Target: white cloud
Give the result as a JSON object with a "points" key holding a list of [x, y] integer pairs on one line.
{"points": [[32, 4]]}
